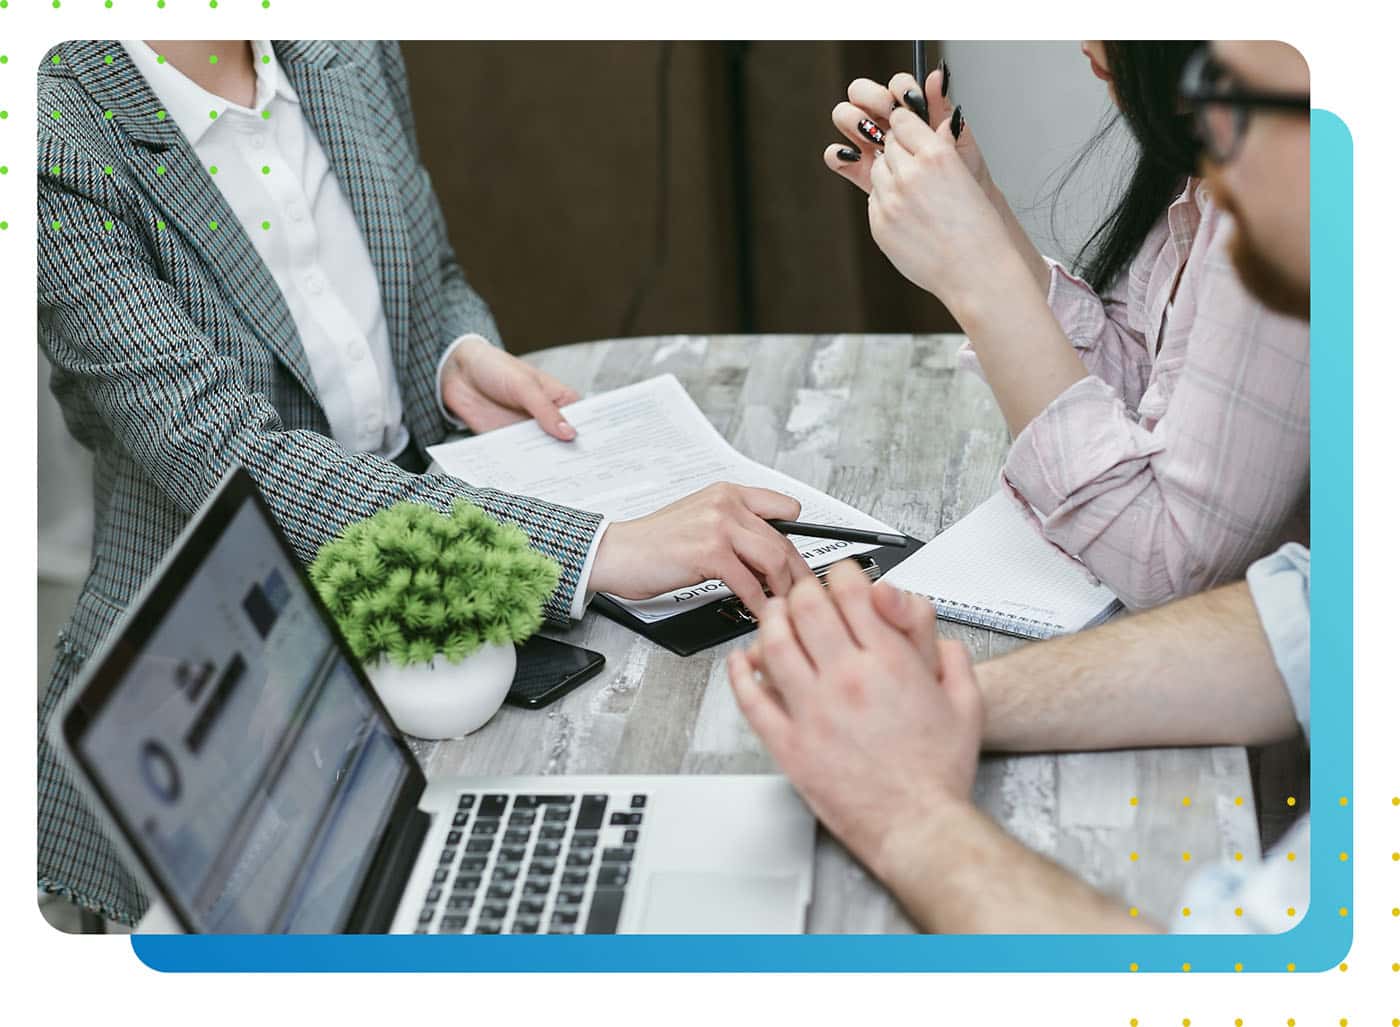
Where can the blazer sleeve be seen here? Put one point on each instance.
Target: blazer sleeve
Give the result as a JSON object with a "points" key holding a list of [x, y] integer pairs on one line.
{"points": [[119, 335]]}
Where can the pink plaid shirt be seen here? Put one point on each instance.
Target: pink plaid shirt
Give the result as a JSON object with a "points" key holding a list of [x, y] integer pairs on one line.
{"points": [[1184, 456]]}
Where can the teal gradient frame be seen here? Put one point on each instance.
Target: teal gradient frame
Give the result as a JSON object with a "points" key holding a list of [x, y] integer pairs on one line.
{"points": [[1319, 941]]}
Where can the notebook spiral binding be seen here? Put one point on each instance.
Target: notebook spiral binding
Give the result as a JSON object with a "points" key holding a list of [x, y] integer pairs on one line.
{"points": [[982, 617]]}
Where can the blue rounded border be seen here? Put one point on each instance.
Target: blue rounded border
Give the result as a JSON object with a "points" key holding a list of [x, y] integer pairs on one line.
{"points": [[1320, 940]]}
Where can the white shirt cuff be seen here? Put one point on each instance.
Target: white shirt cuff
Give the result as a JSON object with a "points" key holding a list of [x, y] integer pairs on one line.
{"points": [[442, 364], [583, 595]]}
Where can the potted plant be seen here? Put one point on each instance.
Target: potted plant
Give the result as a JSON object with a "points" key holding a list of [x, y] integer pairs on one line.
{"points": [[432, 605]]}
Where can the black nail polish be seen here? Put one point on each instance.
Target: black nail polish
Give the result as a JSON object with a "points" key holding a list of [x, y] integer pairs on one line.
{"points": [[848, 154], [915, 100], [871, 131], [944, 78], [957, 122]]}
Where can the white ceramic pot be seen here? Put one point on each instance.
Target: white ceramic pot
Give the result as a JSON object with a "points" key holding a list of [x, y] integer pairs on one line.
{"points": [[446, 700]]}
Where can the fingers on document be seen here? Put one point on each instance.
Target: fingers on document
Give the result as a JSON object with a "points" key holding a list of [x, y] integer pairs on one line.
{"points": [[542, 408]]}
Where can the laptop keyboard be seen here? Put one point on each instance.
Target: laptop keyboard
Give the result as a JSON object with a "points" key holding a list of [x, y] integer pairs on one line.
{"points": [[534, 864]]}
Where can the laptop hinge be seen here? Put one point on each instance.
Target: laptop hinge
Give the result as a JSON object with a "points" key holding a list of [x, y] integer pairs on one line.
{"points": [[387, 876]]}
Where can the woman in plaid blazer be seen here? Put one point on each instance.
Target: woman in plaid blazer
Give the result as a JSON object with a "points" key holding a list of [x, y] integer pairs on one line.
{"points": [[175, 356]]}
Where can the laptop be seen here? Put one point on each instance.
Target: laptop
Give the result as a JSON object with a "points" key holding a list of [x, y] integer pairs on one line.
{"points": [[253, 780]]}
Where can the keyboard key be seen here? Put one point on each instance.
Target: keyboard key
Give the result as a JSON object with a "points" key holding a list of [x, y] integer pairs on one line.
{"points": [[434, 894], [473, 863], [460, 901], [590, 813], [460, 820], [584, 839], [551, 832], [621, 854], [465, 802], [542, 868], [522, 818], [420, 930], [505, 873], [453, 923], [545, 850], [624, 818], [439, 875], [512, 854], [500, 891], [553, 800], [466, 882], [485, 826], [537, 885], [570, 898], [533, 906], [561, 929], [493, 911], [492, 806], [489, 927], [525, 925], [427, 914], [564, 916], [448, 855], [453, 837], [612, 875], [556, 814], [524, 802], [605, 911], [630, 835], [575, 877], [479, 844], [515, 836], [580, 859], [639, 801]]}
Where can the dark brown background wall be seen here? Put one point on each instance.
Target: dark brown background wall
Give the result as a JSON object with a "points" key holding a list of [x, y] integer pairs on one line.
{"points": [[549, 160]]}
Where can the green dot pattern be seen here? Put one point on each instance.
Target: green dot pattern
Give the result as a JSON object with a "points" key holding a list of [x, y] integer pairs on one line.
{"points": [[160, 169], [213, 226], [160, 226], [107, 59], [267, 225], [160, 115], [266, 170]]}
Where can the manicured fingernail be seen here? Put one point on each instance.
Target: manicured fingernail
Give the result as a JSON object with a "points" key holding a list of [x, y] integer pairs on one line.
{"points": [[944, 78], [871, 131], [848, 154], [566, 429], [957, 122], [915, 100]]}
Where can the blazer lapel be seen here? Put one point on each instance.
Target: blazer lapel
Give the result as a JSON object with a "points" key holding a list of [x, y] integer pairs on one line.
{"points": [[333, 100], [188, 201]]}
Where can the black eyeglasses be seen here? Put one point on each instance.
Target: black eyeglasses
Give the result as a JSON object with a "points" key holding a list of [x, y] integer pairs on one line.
{"points": [[1222, 109]]}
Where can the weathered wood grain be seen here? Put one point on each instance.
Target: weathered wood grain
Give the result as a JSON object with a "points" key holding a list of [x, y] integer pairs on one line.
{"points": [[887, 424]]}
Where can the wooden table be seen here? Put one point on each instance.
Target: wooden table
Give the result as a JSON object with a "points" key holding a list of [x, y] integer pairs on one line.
{"points": [[887, 424]]}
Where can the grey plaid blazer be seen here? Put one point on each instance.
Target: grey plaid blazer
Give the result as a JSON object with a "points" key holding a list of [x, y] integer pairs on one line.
{"points": [[175, 355]]}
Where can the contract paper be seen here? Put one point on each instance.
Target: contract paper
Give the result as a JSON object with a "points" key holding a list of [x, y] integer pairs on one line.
{"points": [[640, 448]]}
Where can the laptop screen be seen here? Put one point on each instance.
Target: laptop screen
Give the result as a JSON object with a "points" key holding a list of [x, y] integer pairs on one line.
{"points": [[240, 750]]}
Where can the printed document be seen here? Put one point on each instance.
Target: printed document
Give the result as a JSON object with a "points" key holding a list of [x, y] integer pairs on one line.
{"points": [[640, 448]]}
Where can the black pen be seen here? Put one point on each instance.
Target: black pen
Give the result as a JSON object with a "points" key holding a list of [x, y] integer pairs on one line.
{"points": [[870, 538], [920, 64]]}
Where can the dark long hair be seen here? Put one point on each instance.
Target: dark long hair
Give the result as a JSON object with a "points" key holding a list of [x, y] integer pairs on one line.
{"points": [[1145, 80]]}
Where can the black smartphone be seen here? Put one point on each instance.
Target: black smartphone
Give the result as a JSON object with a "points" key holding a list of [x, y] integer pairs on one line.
{"points": [[546, 670]]}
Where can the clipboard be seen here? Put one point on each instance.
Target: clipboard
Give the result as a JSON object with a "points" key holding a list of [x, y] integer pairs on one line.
{"points": [[728, 618]]}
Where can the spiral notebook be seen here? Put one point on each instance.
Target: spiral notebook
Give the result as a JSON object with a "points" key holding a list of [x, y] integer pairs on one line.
{"points": [[993, 570]]}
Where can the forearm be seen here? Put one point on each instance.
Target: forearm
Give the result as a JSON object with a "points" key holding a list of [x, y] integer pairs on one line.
{"points": [[1025, 248], [956, 872], [1195, 672], [1025, 355]]}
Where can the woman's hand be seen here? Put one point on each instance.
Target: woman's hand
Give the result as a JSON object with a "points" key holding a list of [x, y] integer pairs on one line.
{"points": [[719, 532], [870, 100], [931, 218], [486, 388]]}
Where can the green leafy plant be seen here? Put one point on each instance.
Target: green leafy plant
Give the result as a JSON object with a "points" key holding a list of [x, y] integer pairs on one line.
{"points": [[409, 583]]}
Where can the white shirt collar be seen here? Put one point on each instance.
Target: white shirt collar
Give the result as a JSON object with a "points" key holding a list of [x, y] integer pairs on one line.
{"points": [[190, 104]]}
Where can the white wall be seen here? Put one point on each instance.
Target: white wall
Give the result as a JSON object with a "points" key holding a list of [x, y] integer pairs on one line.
{"points": [[1033, 107]]}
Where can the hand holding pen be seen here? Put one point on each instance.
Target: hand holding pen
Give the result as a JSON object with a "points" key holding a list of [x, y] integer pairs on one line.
{"points": [[864, 120]]}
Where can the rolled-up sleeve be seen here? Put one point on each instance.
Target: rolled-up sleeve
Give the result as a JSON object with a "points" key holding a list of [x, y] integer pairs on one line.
{"points": [[1182, 492], [1279, 585]]}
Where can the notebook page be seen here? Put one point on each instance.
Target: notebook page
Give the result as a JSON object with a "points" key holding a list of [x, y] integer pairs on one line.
{"points": [[993, 559]]}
